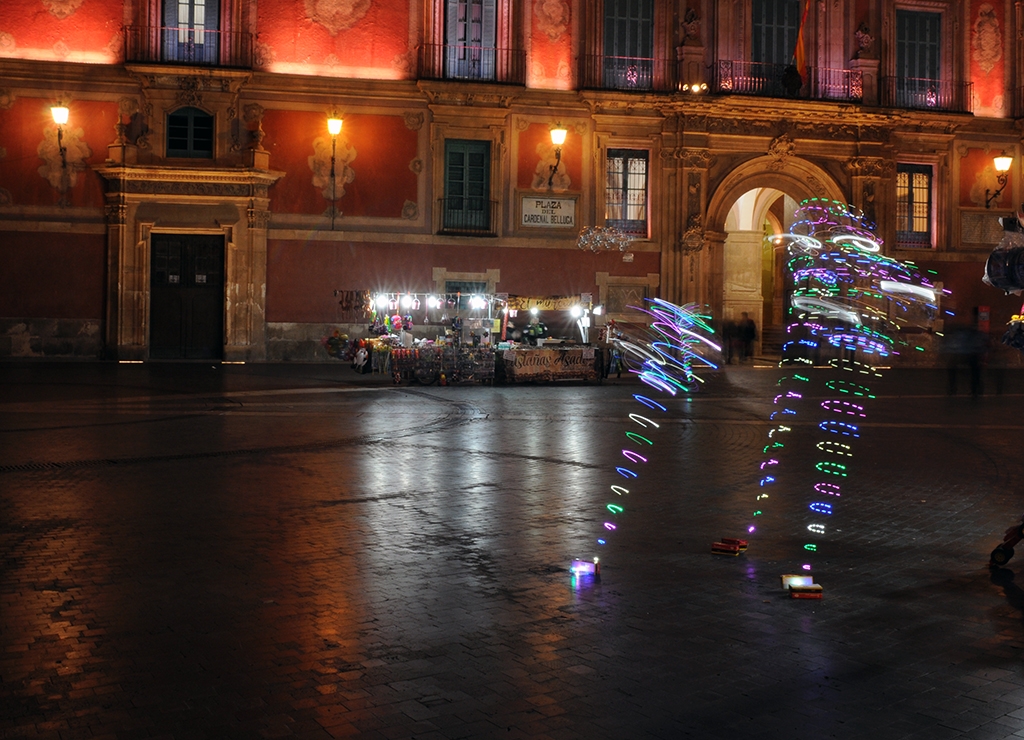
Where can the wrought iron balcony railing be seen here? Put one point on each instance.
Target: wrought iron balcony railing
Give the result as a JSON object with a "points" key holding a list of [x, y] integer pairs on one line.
{"points": [[467, 216], [784, 81], [628, 73], [482, 63], [196, 46], [927, 94]]}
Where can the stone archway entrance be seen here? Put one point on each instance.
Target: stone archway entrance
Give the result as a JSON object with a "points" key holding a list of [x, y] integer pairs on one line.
{"points": [[756, 200]]}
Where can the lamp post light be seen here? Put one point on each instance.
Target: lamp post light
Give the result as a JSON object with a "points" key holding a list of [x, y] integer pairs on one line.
{"points": [[558, 135], [1002, 164], [333, 128], [60, 115]]}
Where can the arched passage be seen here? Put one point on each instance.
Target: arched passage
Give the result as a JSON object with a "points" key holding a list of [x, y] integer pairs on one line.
{"points": [[757, 199]]}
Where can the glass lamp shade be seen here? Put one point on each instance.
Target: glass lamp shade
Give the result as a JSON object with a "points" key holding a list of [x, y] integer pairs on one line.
{"points": [[334, 126], [60, 114]]}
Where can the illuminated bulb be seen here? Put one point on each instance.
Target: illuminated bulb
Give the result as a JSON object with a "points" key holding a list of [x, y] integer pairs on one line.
{"points": [[407, 301], [381, 301], [60, 114], [576, 312]]}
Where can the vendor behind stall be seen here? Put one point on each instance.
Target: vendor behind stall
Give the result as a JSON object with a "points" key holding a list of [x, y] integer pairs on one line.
{"points": [[535, 331]]}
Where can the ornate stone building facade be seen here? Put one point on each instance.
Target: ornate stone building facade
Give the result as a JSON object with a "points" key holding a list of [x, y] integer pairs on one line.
{"points": [[195, 204]]}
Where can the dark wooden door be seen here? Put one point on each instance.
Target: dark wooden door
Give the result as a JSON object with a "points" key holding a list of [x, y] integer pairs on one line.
{"points": [[186, 314]]}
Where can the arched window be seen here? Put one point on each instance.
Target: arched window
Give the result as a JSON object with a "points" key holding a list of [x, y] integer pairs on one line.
{"points": [[190, 134]]}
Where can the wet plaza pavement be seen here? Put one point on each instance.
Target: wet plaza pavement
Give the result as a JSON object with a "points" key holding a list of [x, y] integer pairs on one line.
{"points": [[262, 551]]}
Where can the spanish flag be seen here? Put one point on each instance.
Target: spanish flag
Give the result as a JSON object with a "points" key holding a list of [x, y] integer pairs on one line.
{"points": [[800, 54]]}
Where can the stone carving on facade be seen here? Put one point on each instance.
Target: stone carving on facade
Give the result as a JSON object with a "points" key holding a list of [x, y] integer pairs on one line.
{"points": [[416, 165], [552, 17], [815, 184], [320, 165], [258, 218], [414, 121], [145, 187], [864, 41], [61, 50], [867, 205], [740, 126], [522, 123], [6, 99], [336, 15], [461, 97], [869, 167], [986, 39], [7, 44], [780, 149], [410, 211], [702, 158], [62, 9], [253, 114], [116, 213], [691, 28], [190, 91], [692, 239]]}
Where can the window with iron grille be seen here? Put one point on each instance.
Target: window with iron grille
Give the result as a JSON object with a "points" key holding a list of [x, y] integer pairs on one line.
{"points": [[470, 39], [913, 205], [190, 31], [628, 44], [467, 188], [190, 134], [626, 196]]}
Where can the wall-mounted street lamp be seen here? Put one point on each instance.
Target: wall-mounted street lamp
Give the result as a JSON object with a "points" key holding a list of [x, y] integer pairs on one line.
{"points": [[60, 115], [1002, 164], [333, 128], [558, 135]]}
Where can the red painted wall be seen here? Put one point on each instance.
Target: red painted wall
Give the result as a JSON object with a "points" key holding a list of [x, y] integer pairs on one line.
{"points": [[74, 31], [25, 125], [52, 276], [302, 276], [551, 45], [385, 147], [375, 43], [535, 148], [987, 50], [974, 179]]}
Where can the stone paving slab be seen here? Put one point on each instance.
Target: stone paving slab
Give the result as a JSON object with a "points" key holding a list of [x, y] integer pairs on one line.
{"points": [[193, 551]]}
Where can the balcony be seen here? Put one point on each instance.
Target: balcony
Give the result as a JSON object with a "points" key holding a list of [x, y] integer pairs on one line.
{"points": [[770, 80], [467, 216], [199, 47], [628, 73], [480, 63], [927, 94]]}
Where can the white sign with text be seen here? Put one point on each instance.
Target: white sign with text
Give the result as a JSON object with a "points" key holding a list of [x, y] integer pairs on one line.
{"points": [[558, 213]]}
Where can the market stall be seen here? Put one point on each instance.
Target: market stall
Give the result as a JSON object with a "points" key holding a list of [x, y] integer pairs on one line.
{"points": [[455, 338]]}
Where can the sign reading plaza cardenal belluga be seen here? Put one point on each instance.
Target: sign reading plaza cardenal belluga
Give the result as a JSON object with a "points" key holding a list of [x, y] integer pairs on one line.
{"points": [[547, 212]]}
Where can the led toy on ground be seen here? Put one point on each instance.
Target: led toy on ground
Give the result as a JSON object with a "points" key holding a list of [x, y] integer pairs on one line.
{"points": [[663, 346]]}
